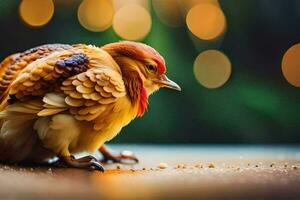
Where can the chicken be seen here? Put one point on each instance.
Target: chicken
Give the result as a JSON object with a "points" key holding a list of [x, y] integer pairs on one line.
{"points": [[60, 100]]}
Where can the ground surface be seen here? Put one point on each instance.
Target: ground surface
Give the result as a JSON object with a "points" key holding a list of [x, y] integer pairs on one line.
{"points": [[193, 172]]}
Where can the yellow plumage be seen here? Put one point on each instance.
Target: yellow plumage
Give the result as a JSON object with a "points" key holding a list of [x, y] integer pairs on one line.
{"points": [[67, 99]]}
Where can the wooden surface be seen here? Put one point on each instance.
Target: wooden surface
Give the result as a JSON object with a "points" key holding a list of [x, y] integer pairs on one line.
{"points": [[205, 172]]}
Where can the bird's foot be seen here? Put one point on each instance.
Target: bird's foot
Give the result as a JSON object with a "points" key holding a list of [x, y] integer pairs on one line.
{"points": [[125, 157], [87, 162]]}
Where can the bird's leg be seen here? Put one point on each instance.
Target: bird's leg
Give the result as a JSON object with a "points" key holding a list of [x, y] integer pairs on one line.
{"points": [[119, 158], [87, 162]]}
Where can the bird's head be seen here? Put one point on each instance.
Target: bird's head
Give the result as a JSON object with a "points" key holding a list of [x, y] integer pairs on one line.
{"points": [[143, 70], [136, 58]]}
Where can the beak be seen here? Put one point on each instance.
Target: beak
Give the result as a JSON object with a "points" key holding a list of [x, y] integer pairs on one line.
{"points": [[167, 83]]}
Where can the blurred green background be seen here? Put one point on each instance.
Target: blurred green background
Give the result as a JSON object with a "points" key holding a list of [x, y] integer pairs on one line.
{"points": [[256, 105]]}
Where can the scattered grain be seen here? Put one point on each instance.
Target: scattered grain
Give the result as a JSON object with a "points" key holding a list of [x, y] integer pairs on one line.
{"points": [[294, 167], [163, 165], [211, 165], [180, 165], [199, 166]]}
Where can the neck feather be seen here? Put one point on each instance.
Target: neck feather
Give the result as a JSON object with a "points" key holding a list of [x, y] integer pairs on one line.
{"points": [[136, 91], [133, 82]]}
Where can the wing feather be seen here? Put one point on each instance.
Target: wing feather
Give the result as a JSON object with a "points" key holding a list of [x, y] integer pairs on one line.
{"points": [[92, 97], [83, 81], [43, 75]]}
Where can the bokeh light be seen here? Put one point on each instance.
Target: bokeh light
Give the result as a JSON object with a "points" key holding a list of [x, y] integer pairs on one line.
{"points": [[168, 11], [212, 69], [121, 3], [36, 13], [96, 15], [206, 21], [132, 22], [291, 65]]}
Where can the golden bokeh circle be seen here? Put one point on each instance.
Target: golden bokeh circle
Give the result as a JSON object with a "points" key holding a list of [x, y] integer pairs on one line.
{"points": [[212, 69], [95, 15], [121, 3], [206, 20], [36, 13], [291, 65], [132, 22]]}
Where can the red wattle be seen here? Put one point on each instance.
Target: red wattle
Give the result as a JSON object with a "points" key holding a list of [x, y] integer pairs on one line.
{"points": [[143, 102]]}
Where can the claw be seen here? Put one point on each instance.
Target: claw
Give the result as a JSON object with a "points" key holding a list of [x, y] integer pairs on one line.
{"points": [[87, 162], [120, 158], [87, 159], [128, 155], [97, 166]]}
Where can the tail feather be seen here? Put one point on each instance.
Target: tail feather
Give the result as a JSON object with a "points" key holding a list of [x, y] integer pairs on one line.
{"points": [[17, 137]]}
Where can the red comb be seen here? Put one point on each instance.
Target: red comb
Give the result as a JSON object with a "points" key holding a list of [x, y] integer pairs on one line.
{"points": [[157, 57], [139, 51]]}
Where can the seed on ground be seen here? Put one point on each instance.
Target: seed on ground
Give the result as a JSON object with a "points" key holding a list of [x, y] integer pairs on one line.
{"points": [[294, 167], [179, 165], [199, 165], [211, 165], [163, 165]]}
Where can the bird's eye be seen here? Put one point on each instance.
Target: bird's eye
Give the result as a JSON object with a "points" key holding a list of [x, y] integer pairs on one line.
{"points": [[151, 68]]}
